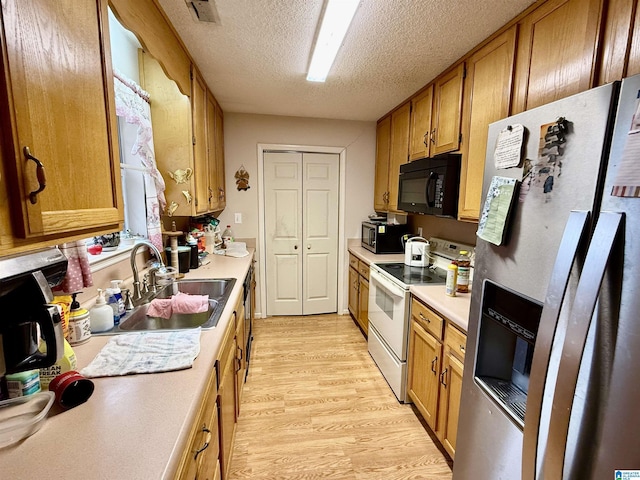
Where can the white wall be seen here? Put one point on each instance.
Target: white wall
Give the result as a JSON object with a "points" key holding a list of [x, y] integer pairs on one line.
{"points": [[243, 133]]}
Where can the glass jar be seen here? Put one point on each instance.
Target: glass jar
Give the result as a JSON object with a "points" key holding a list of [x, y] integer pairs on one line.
{"points": [[464, 269]]}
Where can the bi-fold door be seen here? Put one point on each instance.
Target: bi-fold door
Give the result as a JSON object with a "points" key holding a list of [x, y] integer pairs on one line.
{"points": [[301, 232]]}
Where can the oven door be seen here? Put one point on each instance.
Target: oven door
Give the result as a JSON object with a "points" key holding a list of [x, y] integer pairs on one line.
{"points": [[388, 312]]}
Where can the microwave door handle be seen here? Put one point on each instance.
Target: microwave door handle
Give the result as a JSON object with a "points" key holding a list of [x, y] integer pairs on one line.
{"points": [[431, 189], [607, 241], [573, 239], [372, 237]]}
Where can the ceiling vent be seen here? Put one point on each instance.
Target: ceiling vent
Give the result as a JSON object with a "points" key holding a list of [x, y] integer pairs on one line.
{"points": [[204, 11]]}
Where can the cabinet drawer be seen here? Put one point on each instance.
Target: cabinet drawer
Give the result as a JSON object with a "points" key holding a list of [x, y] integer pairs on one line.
{"points": [[353, 261], [456, 341], [430, 320], [364, 270]]}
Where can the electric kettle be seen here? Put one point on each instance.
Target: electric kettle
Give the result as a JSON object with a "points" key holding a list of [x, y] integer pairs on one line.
{"points": [[416, 252]]}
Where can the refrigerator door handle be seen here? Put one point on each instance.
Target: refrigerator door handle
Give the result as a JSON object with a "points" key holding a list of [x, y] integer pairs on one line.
{"points": [[607, 238], [574, 236]]}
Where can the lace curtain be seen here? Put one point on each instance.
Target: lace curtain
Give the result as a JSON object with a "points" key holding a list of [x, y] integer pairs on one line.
{"points": [[132, 104]]}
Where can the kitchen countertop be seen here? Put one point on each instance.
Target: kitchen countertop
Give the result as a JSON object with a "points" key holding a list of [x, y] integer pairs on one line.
{"points": [[134, 426], [455, 309]]}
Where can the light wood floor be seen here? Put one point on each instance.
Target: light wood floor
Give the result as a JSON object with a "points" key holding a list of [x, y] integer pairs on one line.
{"points": [[315, 406]]}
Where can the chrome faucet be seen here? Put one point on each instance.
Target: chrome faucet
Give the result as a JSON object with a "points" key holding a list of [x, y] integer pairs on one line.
{"points": [[137, 294]]}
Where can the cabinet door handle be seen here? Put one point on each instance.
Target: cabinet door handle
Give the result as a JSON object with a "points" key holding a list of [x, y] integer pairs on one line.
{"points": [[433, 136], [462, 349], [433, 367], [424, 140], [42, 179], [206, 442], [443, 376]]}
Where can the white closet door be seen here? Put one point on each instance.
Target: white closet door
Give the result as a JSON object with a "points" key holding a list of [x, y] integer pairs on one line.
{"points": [[283, 229], [320, 232], [301, 228]]}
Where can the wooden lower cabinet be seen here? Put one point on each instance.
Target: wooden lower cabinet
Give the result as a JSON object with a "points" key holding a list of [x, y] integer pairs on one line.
{"points": [[359, 292], [240, 358], [227, 400], [424, 372], [451, 391], [435, 368], [201, 459]]}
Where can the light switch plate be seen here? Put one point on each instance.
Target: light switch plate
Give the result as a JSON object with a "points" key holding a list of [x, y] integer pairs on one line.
{"points": [[238, 218]]}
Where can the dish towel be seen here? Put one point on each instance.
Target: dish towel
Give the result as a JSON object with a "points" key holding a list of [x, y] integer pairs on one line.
{"points": [[147, 352]]}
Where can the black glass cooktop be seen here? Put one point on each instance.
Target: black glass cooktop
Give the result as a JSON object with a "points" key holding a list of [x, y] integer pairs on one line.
{"points": [[415, 275]]}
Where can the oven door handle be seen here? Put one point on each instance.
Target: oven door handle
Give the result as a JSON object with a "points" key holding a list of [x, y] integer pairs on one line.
{"points": [[386, 284]]}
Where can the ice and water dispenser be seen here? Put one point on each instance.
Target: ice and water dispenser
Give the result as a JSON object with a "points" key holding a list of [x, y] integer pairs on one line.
{"points": [[508, 328]]}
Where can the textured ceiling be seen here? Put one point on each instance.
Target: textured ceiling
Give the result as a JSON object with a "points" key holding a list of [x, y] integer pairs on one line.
{"points": [[255, 61]]}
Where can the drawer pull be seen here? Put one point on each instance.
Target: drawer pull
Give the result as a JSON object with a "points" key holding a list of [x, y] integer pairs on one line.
{"points": [[206, 442], [428, 320], [442, 377], [433, 365], [40, 175], [462, 349]]}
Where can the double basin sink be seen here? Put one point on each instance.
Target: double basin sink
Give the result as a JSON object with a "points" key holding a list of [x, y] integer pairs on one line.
{"points": [[217, 289]]}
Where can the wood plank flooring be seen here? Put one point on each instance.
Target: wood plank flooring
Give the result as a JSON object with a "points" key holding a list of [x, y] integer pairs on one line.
{"points": [[315, 406]]}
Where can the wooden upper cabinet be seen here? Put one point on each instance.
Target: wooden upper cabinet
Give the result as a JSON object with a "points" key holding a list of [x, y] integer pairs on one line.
{"points": [[383, 150], [447, 109], [556, 54], [148, 23], [617, 36], [200, 157], [633, 62], [399, 150], [220, 189], [57, 107], [211, 154], [421, 136], [487, 98]]}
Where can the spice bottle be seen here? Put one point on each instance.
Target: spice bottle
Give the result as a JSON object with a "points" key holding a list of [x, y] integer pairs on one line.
{"points": [[452, 274], [464, 269]]}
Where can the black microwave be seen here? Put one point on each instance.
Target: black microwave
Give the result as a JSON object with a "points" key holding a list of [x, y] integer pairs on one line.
{"points": [[430, 185], [383, 237]]}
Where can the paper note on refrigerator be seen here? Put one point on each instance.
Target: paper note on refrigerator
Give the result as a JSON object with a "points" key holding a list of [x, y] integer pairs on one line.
{"points": [[508, 152], [494, 218], [627, 182]]}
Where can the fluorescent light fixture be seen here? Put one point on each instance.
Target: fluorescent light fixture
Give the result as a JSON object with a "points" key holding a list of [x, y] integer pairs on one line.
{"points": [[335, 23]]}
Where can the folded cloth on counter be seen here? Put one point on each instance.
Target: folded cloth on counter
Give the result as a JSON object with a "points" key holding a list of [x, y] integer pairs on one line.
{"points": [[237, 249], [180, 303], [147, 352]]}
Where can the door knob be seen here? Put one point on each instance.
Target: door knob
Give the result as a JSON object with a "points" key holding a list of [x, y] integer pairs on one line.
{"points": [[308, 247], [295, 247]]}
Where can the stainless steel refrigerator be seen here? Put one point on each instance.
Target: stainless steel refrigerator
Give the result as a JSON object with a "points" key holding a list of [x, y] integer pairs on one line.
{"points": [[551, 383]]}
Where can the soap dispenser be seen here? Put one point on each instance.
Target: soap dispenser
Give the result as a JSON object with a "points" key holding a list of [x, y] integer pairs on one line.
{"points": [[101, 315]]}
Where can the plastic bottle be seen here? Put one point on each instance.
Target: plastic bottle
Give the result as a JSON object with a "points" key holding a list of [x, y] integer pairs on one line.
{"points": [[79, 323], [66, 363], [464, 269], [112, 301], [227, 236], [452, 274], [117, 293], [101, 315]]}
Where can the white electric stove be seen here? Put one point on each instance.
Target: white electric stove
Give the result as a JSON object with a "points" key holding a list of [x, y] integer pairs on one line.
{"points": [[389, 302]]}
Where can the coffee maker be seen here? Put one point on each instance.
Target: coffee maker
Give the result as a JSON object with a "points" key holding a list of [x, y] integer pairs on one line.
{"points": [[26, 315]]}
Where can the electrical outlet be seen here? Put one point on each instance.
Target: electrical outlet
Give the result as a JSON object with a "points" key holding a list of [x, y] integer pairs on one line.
{"points": [[419, 231], [238, 218]]}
